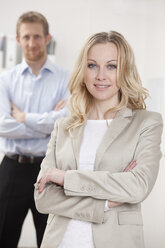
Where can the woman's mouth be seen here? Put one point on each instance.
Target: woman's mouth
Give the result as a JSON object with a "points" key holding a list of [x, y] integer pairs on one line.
{"points": [[101, 86]]}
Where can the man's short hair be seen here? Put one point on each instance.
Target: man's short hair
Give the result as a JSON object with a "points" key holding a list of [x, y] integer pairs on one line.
{"points": [[33, 17]]}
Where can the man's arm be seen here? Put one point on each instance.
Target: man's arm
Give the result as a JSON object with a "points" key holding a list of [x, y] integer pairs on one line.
{"points": [[9, 127], [42, 123]]}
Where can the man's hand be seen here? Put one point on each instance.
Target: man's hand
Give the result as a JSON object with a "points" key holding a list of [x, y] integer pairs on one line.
{"points": [[17, 114], [60, 105]]}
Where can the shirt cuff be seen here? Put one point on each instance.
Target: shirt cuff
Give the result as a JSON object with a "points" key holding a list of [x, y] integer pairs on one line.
{"points": [[106, 208]]}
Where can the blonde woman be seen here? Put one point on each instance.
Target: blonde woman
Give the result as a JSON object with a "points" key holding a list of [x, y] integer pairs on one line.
{"points": [[102, 161]]}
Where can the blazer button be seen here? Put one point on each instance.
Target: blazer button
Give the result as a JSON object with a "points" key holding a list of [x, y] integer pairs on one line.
{"points": [[90, 188], [81, 215], [94, 189], [82, 188], [87, 215]]}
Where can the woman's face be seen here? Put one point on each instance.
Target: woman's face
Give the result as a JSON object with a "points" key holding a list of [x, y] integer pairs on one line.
{"points": [[101, 74]]}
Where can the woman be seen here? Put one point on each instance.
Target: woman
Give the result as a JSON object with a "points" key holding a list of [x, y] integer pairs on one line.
{"points": [[87, 183]]}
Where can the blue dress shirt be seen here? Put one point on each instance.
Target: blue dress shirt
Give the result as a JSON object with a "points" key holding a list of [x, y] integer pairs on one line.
{"points": [[37, 97]]}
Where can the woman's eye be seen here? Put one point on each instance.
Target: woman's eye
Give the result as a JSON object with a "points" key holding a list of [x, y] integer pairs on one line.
{"points": [[91, 65], [111, 67]]}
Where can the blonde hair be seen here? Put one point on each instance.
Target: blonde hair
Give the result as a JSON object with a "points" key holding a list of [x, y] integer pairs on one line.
{"points": [[132, 94], [33, 17]]}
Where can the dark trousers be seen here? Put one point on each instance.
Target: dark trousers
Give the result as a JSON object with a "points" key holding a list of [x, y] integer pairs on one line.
{"points": [[16, 198]]}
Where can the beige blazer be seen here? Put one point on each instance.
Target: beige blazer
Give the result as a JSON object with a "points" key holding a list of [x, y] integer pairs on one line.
{"points": [[131, 135]]}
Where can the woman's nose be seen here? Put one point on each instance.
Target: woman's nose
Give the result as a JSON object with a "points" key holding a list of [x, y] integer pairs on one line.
{"points": [[101, 74]]}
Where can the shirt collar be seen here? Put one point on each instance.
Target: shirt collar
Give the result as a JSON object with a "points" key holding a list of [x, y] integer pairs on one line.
{"points": [[49, 65], [24, 66]]}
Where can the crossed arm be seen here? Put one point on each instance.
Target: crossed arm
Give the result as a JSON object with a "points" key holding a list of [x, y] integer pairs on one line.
{"points": [[51, 198], [20, 116], [56, 187], [54, 175], [13, 123]]}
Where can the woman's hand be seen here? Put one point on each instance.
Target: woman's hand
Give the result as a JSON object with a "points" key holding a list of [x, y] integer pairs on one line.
{"points": [[52, 175], [130, 166], [112, 204]]}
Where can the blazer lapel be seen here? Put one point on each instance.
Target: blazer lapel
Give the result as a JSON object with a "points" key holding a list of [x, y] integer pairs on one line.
{"points": [[77, 136], [115, 128]]}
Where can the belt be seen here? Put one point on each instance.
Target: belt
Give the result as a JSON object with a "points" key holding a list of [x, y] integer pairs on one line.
{"points": [[24, 159]]}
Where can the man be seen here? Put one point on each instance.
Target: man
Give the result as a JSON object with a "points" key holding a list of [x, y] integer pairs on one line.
{"points": [[32, 97]]}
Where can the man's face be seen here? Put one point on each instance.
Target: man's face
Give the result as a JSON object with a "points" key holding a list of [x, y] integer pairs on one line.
{"points": [[33, 41]]}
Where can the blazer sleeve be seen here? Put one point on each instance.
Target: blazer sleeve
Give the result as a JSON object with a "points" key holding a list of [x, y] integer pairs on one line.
{"points": [[53, 199], [131, 187]]}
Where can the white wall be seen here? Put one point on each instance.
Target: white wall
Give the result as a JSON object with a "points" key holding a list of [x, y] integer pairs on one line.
{"points": [[71, 22]]}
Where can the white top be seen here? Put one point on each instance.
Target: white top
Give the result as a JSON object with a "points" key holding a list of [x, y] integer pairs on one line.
{"points": [[79, 233]]}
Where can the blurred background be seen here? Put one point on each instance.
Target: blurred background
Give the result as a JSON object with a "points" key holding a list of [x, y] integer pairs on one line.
{"points": [[142, 22]]}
